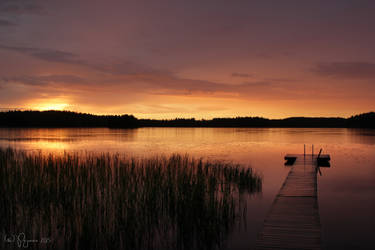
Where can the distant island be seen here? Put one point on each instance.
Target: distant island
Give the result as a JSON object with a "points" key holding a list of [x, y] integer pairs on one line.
{"points": [[68, 119]]}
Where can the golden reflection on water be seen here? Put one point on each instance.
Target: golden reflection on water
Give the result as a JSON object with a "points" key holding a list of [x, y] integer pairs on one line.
{"points": [[163, 140]]}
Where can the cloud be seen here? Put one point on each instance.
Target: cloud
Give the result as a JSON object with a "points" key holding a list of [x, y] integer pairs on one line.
{"points": [[282, 80], [125, 77], [21, 7], [146, 83], [236, 74], [256, 84], [125, 68], [57, 56], [44, 80], [176, 108], [348, 70], [122, 73], [49, 55], [6, 23], [118, 67]]}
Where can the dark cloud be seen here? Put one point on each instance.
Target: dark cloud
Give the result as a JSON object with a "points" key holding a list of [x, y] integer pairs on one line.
{"points": [[21, 7], [281, 79], [49, 55], [27, 80], [44, 80], [6, 23], [346, 70], [236, 74], [134, 73], [126, 68], [172, 85], [257, 84], [19, 49], [152, 83], [123, 76], [119, 67], [57, 56]]}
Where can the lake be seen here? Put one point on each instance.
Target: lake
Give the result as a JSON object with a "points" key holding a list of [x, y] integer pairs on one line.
{"points": [[346, 190]]}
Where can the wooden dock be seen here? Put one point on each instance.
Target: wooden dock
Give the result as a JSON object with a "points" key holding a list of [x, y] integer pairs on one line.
{"points": [[293, 220]]}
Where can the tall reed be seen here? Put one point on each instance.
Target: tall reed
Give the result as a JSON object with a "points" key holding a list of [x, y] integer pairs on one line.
{"points": [[109, 201]]}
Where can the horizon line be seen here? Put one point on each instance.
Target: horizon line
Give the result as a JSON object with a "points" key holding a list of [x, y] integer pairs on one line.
{"points": [[4, 110]]}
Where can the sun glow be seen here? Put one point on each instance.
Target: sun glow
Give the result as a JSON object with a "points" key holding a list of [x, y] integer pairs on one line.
{"points": [[51, 106]]}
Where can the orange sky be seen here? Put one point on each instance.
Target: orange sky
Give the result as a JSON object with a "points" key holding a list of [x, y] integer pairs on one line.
{"points": [[170, 59]]}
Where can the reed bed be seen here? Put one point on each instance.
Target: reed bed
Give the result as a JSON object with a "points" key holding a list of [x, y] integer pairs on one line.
{"points": [[110, 201]]}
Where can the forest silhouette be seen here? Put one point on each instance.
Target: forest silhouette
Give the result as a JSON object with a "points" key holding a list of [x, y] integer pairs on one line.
{"points": [[73, 119]]}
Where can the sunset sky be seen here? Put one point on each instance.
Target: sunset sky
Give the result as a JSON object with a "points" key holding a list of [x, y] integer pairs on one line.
{"points": [[202, 59]]}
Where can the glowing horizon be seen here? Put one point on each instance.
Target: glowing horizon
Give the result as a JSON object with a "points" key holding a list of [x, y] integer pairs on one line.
{"points": [[179, 116]]}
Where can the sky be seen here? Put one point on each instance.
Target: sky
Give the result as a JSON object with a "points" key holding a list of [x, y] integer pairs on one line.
{"points": [[201, 59]]}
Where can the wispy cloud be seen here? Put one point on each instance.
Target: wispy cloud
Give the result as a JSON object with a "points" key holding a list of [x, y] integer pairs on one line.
{"points": [[346, 70], [245, 75], [21, 7], [49, 55], [123, 67], [282, 80], [44, 80], [146, 83]]}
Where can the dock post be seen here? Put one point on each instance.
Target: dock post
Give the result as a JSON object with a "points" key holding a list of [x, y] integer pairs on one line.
{"points": [[312, 150], [319, 154], [304, 150]]}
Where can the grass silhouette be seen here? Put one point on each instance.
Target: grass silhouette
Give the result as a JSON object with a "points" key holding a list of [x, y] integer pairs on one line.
{"points": [[109, 201]]}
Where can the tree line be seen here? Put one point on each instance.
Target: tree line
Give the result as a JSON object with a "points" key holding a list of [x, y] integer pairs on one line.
{"points": [[74, 119]]}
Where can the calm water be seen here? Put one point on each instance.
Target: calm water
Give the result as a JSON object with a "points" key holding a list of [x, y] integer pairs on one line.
{"points": [[346, 189]]}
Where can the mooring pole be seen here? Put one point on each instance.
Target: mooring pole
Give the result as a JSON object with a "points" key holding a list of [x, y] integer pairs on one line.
{"points": [[304, 150], [312, 149], [319, 153]]}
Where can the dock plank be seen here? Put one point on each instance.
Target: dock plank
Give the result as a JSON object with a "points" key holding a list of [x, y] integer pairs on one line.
{"points": [[293, 221]]}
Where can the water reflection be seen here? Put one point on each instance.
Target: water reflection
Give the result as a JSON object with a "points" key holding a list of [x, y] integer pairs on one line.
{"points": [[349, 185], [179, 138]]}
